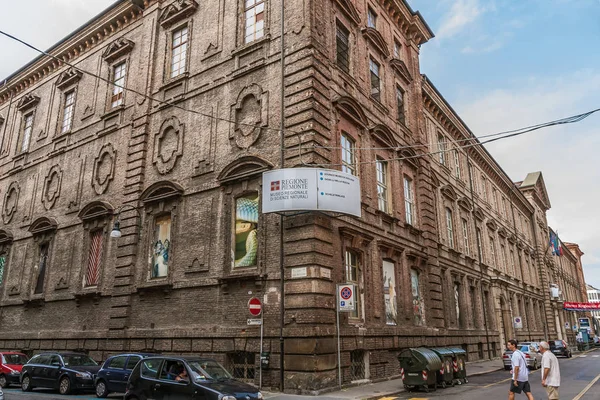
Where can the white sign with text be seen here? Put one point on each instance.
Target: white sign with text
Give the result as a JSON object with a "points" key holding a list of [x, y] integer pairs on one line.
{"points": [[308, 189]]}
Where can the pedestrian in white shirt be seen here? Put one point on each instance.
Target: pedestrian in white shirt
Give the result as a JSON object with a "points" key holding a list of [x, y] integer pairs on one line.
{"points": [[520, 373], [550, 371]]}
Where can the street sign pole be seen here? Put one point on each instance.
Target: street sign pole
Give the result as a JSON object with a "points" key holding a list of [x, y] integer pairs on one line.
{"points": [[262, 314], [337, 319]]}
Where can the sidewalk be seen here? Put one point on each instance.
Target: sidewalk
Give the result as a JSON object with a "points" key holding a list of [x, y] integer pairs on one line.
{"points": [[384, 388]]}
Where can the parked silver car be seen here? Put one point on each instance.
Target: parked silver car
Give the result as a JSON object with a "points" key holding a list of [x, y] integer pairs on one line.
{"points": [[531, 350]]}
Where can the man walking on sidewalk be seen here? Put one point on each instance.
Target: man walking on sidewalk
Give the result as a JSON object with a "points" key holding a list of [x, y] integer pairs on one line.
{"points": [[520, 373], [550, 371]]}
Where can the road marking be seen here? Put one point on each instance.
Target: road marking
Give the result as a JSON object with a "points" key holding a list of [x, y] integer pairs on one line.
{"points": [[387, 398], [506, 380], [583, 356], [596, 356], [585, 389], [417, 398]]}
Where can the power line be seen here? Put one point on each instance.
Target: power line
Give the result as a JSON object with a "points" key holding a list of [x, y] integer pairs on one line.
{"points": [[134, 90], [495, 136], [569, 120]]}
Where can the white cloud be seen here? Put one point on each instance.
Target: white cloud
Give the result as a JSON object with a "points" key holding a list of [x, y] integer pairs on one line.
{"points": [[461, 14], [47, 23], [566, 155]]}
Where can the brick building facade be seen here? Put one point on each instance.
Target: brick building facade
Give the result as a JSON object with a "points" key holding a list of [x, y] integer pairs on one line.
{"points": [[447, 251]]}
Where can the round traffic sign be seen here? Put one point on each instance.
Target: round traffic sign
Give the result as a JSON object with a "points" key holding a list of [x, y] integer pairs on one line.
{"points": [[254, 306], [346, 293]]}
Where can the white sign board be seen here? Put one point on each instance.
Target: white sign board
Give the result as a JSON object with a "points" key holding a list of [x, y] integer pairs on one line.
{"points": [[299, 272], [345, 297], [518, 323], [567, 325], [308, 189], [254, 321]]}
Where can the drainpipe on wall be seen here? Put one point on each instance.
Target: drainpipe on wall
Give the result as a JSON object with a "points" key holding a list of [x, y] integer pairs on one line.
{"points": [[544, 290], [512, 209], [481, 291]]}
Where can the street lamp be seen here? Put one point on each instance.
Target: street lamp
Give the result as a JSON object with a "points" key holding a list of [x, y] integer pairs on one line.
{"points": [[116, 230]]}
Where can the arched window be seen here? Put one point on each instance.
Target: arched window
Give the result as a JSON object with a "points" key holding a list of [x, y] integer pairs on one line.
{"points": [[95, 217], [161, 201]]}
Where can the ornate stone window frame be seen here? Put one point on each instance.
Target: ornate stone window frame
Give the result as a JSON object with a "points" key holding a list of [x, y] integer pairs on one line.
{"points": [[95, 216], [240, 178], [358, 243], [160, 199], [117, 52], [169, 31], [6, 240], [43, 230], [26, 106], [67, 82]]}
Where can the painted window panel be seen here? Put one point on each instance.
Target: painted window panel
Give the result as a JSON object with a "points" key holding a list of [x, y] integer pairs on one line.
{"points": [[389, 293], [42, 266], [246, 231], [418, 302], [92, 275], [2, 265], [160, 248]]}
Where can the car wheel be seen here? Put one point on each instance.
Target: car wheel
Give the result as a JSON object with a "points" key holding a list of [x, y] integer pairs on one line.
{"points": [[64, 386], [3, 381], [26, 384], [443, 384], [101, 389]]}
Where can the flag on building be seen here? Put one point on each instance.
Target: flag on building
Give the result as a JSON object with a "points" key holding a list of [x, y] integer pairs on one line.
{"points": [[555, 244]]}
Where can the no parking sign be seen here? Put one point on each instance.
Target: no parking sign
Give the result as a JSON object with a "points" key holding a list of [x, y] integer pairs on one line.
{"points": [[345, 297]]}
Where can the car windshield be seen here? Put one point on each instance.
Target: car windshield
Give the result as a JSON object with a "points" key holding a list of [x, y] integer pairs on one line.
{"points": [[78, 361], [17, 359], [208, 369], [524, 349], [556, 343]]}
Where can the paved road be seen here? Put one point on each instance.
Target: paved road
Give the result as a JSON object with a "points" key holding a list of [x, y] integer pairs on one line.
{"points": [[580, 380]]}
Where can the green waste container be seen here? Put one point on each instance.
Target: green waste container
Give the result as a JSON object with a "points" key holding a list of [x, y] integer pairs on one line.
{"points": [[459, 364], [418, 367], [445, 375]]}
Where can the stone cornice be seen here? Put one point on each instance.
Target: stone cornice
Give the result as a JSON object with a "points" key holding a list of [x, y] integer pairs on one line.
{"points": [[435, 104], [411, 23], [72, 48]]}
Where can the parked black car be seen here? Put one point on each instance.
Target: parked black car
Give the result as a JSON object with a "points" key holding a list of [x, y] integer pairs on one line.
{"points": [[560, 348], [178, 378], [115, 372], [66, 372]]}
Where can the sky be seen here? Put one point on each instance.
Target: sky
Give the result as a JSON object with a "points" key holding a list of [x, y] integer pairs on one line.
{"points": [[502, 64]]}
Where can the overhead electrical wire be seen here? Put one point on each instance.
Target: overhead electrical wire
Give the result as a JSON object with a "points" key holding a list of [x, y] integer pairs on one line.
{"points": [[495, 136]]}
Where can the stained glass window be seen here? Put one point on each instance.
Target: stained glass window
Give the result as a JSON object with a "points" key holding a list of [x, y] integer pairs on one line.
{"points": [[246, 227]]}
